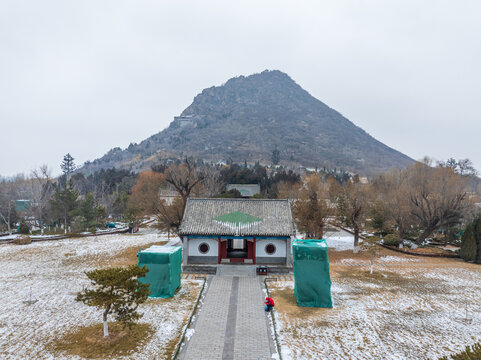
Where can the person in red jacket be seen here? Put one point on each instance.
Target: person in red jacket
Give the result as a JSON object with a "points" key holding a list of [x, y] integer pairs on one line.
{"points": [[269, 304]]}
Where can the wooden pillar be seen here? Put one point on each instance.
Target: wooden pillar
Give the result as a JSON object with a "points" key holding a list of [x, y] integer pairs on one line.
{"points": [[219, 255], [185, 250], [254, 251]]}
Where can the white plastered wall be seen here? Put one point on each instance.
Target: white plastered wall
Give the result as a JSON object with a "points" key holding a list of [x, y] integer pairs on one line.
{"points": [[279, 244], [194, 247]]}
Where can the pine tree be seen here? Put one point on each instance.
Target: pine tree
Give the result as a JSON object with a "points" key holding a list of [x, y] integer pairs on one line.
{"points": [[68, 166], [64, 203], [276, 156], [469, 247], [116, 291], [477, 236], [23, 228], [88, 210]]}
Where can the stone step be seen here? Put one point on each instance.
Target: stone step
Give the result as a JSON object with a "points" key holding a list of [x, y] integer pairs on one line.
{"points": [[236, 270]]}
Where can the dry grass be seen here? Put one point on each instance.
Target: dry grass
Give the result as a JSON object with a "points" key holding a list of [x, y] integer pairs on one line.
{"points": [[129, 255], [124, 258], [402, 308], [183, 295], [286, 304], [89, 342]]}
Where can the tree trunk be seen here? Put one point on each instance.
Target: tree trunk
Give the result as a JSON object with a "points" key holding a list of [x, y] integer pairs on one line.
{"points": [[106, 325], [8, 221], [372, 262], [356, 239], [424, 234], [401, 231]]}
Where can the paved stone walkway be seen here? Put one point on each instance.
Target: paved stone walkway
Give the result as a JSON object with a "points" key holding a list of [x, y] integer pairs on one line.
{"points": [[232, 322]]}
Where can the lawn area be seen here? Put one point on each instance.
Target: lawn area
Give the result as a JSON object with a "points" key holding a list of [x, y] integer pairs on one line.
{"points": [[409, 308], [53, 272]]}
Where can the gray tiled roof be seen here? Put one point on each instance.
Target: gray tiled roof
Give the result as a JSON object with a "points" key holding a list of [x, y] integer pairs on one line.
{"points": [[245, 189], [241, 217]]}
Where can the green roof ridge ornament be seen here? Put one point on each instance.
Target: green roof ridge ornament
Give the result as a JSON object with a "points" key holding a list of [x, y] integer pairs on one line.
{"points": [[237, 220]]}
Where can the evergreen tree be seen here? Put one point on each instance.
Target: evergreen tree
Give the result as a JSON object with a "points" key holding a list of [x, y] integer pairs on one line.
{"points": [[119, 206], [23, 228], [469, 247], [88, 210], [64, 203], [477, 236], [68, 166], [116, 291], [276, 156]]}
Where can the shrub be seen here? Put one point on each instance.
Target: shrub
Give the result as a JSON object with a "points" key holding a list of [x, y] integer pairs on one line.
{"points": [[470, 353], [23, 228], [78, 224], [469, 246], [22, 240], [391, 240]]}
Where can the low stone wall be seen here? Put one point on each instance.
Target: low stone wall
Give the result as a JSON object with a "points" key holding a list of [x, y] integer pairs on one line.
{"points": [[61, 237], [419, 254], [212, 269]]}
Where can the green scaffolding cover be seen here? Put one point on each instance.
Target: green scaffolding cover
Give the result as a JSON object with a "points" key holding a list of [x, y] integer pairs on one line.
{"points": [[165, 267], [311, 273]]}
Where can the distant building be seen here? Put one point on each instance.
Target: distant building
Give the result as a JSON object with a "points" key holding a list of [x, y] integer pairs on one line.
{"points": [[188, 120], [22, 205], [250, 231], [168, 195], [246, 190]]}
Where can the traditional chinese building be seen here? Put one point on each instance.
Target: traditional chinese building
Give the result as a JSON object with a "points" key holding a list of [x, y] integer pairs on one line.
{"points": [[246, 190], [251, 231]]}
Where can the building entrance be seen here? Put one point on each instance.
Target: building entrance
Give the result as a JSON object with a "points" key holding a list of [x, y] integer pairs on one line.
{"points": [[237, 248]]}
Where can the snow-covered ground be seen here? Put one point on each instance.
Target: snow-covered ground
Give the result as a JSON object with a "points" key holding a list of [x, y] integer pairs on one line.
{"points": [[340, 240], [53, 272], [409, 310]]}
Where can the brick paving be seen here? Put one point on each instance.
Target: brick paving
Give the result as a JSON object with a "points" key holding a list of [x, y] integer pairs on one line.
{"points": [[232, 322], [252, 334]]}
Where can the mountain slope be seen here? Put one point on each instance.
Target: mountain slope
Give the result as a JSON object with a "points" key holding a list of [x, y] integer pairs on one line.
{"points": [[248, 117]]}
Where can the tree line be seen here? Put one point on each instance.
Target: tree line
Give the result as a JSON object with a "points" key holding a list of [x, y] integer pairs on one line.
{"points": [[414, 203], [76, 202], [71, 201]]}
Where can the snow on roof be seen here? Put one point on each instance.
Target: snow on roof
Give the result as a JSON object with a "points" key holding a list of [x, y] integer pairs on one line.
{"points": [[311, 242], [161, 249]]}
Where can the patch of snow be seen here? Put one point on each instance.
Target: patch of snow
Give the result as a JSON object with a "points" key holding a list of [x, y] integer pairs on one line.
{"points": [[54, 272], [396, 259], [189, 333], [409, 313]]}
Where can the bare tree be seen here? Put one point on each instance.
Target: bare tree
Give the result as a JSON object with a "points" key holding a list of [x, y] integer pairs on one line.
{"points": [[212, 181], [186, 178], [169, 217], [352, 205], [9, 190], [287, 190], [392, 193], [42, 190], [145, 192], [438, 197], [312, 209]]}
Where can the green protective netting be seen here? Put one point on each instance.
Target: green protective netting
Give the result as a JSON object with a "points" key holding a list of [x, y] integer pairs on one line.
{"points": [[165, 267], [311, 273]]}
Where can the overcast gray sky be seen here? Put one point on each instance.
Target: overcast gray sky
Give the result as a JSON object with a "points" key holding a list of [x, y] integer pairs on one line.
{"points": [[85, 76]]}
